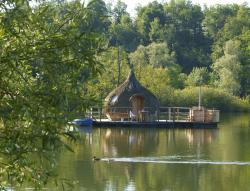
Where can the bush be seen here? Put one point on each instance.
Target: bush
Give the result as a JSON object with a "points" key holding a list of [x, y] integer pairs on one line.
{"points": [[211, 98]]}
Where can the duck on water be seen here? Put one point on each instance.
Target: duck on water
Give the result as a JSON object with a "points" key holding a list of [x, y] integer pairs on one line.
{"points": [[103, 159], [96, 158]]}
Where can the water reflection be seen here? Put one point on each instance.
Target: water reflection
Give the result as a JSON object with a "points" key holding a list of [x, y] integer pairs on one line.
{"points": [[162, 159], [205, 136], [114, 142]]}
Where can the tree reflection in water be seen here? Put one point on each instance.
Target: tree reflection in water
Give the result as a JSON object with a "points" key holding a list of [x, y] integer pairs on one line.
{"points": [[227, 143]]}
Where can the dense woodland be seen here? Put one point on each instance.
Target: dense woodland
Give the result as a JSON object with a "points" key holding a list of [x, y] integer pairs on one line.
{"points": [[175, 47], [59, 58]]}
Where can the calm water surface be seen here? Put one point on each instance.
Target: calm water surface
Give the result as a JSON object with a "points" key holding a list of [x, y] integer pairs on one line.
{"points": [[162, 159]]}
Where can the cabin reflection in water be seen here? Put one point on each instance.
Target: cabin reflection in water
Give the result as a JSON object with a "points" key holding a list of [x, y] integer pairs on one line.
{"points": [[119, 142]]}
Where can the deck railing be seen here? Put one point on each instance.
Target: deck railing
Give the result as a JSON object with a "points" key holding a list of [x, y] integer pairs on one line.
{"points": [[174, 113], [96, 113], [162, 114]]}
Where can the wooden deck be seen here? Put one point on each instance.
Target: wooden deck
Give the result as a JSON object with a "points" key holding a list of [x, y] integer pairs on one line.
{"points": [[155, 124], [165, 117]]}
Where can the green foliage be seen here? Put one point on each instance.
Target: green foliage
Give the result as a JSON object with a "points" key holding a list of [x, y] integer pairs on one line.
{"points": [[184, 34], [211, 98], [198, 76], [160, 56], [119, 10], [156, 31], [139, 59], [228, 68], [146, 17], [233, 26], [155, 54], [156, 81], [245, 60], [215, 18], [124, 34], [47, 55], [105, 82], [99, 20], [154, 57], [175, 37], [53, 67]]}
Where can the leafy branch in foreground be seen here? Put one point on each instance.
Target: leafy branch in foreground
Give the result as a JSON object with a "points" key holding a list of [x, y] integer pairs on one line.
{"points": [[47, 55]]}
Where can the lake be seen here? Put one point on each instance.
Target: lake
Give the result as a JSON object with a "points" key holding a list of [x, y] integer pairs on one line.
{"points": [[161, 159]]}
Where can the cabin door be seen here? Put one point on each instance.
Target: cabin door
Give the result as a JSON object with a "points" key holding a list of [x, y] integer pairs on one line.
{"points": [[137, 102]]}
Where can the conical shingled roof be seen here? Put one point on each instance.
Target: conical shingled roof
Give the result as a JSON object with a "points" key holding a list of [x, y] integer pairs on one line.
{"points": [[120, 96]]}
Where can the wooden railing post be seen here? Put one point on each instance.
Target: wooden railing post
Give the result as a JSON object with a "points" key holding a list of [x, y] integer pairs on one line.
{"points": [[173, 114], [158, 114], [169, 113], [100, 113], [177, 113]]}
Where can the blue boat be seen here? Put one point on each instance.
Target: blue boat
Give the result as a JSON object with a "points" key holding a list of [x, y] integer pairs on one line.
{"points": [[83, 122]]}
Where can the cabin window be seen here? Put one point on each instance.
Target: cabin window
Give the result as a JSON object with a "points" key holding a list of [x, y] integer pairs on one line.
{"points": [[114, 100]]}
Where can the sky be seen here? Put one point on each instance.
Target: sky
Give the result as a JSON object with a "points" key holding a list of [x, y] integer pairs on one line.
{"points": [[132, 4]]}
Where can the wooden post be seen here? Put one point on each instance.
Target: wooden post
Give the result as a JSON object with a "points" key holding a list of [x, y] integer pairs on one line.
{"points": [[169, 113], [158, 114], [177, 113], [118, 66], [173, 114], [100, 113], [199, 98], [203, 115]]}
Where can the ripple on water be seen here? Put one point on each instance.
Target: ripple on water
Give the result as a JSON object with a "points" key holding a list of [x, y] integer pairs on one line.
{"points": [[175, 159]]}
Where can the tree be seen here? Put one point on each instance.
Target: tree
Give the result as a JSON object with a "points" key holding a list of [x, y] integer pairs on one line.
{"points": [[160, 55], [184, 34], [245, 60], [145, 16], [156, 33], [228, 68], [105, 82], [157, 55], [216, 17], [156, 80], [233, 27], [139, 59], [198, 76], [124, 34], [48, 53], [118, 11], [99, 16]]}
